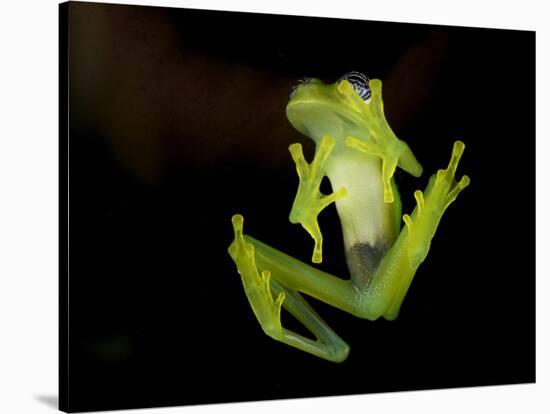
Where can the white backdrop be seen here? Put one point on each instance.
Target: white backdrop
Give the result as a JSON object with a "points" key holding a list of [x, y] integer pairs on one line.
{"points": [[29, 194]]}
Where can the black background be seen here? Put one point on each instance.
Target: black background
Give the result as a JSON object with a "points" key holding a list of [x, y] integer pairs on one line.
{"points": [[176, 122]]}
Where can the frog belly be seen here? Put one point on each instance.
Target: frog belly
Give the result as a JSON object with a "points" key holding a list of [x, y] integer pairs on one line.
{"points": [[368, 223]]}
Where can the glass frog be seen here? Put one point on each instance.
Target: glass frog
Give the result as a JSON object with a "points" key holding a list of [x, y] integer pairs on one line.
{"points": [[359, 153]]}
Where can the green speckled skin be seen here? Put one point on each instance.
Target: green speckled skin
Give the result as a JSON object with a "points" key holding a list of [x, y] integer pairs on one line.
{"points": [[358, 152]]}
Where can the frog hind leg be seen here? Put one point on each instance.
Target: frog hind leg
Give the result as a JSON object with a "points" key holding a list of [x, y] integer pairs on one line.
{"points": [[261, 287], [397, 269], [328, 345]]}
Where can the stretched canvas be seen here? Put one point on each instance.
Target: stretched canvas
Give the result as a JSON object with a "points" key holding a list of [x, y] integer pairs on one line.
{"points": [[175, 125]]}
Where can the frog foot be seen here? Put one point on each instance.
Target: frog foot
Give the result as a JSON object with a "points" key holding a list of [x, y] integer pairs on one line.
{"points": [[382, 141], [441, 191], [309, 201], [257, 288]]}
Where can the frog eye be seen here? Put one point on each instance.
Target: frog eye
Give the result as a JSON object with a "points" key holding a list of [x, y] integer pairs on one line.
{"points": [[360, 83], [302, 81]]}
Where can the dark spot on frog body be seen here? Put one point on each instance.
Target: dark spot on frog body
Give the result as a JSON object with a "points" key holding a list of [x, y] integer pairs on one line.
{"points": [[363, 261]]}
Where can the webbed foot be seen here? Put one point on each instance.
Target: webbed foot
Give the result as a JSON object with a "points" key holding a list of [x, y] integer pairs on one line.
{"points": [[256, 287], [309, 201], [441, 191], [383, 143], [397, 269]]}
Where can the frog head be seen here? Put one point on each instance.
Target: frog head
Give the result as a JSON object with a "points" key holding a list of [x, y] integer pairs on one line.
{"points": [[338, 109]]}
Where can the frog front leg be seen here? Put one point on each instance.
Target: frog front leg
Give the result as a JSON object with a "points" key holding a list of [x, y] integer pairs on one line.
{"points": [[261, 291], [398, 267], [309, 201]]}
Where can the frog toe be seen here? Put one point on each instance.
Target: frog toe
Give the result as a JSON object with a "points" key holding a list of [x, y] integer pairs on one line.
{"points": [[309, 201]]}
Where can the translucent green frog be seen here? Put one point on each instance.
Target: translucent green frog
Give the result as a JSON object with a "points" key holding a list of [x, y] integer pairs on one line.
{"points": [[357, 150]]}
